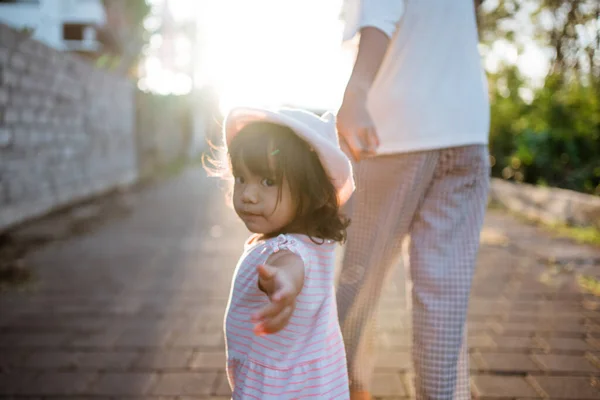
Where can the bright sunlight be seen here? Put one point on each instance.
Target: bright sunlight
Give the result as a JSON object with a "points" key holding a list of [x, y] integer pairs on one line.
{"points": [[262, 52], [265, 52], [272, 52]]}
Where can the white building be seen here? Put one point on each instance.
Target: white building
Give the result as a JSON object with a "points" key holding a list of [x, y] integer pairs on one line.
{"points": [[67, 25]]}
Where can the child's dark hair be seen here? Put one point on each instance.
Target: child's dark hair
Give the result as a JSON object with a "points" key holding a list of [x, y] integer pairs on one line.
{"points": [[275, 151]]}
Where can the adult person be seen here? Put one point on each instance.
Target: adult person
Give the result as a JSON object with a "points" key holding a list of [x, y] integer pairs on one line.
{"points": [[415, 120]]}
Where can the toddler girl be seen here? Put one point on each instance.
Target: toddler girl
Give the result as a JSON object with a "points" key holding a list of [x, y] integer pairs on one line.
{"points": [[281, 327]]}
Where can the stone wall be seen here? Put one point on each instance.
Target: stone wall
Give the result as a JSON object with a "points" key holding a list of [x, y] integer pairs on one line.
{"points": [[67, 129], [550, 205]]}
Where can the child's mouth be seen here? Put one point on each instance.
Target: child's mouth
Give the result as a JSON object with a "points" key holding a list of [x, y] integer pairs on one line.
{"points": [[250, 215]]}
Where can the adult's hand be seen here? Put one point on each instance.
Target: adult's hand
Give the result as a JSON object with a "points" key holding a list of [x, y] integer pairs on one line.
{"points": [[356, 129]]}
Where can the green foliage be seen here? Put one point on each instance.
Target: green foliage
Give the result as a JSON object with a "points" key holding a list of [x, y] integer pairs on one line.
{"points": [[129, 34], [554, 138]]}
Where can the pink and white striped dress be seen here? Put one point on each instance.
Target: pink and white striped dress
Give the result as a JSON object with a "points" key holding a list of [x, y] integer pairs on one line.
{"points": [[307, 358]]}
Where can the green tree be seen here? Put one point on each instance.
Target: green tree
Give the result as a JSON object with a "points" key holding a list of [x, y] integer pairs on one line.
{"points": [[555, 138], [125, 34]]}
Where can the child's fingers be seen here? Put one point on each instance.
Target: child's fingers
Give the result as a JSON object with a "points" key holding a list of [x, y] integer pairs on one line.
{"points": [[268, 311], [275, 324], [282, 295], [266, 272]]}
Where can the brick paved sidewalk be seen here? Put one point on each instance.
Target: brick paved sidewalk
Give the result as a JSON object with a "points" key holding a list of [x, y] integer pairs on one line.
{"points": [[134, 309]]}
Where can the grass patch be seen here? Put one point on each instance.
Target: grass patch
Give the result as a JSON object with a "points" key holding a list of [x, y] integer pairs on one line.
{"points": [[585, 235], [589, 284], [176, 167]]}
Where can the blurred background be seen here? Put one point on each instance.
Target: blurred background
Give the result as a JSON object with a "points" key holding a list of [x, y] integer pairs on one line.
{"points": [[542, 59]]}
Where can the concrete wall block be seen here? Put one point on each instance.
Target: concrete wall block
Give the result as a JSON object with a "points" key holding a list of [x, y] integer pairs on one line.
{"points": [[28, 83], [550, 205], [6, 137], [4, 56], [4, 96], [36, 68], [18, 61], [7, 36], [11, 115], [8, 77], [18, 98], [28, 48]]}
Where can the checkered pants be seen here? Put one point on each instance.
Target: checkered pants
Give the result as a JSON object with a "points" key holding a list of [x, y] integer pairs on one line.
{"points": [[438, 198]]}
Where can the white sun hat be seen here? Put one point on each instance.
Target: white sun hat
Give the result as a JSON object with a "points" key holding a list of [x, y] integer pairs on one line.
{"points": [[319, 132]]}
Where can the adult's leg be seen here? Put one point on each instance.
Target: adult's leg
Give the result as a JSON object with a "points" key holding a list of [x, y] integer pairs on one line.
{"points": [[443, 249], [389, 189]]}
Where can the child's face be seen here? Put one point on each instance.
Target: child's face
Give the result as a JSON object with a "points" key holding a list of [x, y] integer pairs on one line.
{"points": [[256, 201]]}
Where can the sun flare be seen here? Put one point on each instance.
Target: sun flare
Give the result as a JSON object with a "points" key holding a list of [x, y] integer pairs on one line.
{"points": [[260, 52], [276, 52]]}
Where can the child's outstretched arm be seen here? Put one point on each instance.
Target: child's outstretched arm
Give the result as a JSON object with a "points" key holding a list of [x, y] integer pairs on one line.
{"points": [[282, 279]]}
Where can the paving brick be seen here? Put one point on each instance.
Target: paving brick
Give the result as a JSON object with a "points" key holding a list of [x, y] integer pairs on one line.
{"points": [[569, 320], [517, 315], [12, 358], [51, 359], [517, 327], [208, 360], [96, 340], [120, 384], [203, 398], [147, 398], [109, 360], [33, 340], [565, 363], [197, 339], [474, 328], [505, 362], [222, 386], [16, 382], [394, 360], [164, 359], [502, 386], [480, 306], [481, 341], [395, 340], [563, 326], [388, 384], [512, 343], [141, 264], [561, 387], [60, 383], [142, 338], [185, 384], [210, 326], [566, 344]]}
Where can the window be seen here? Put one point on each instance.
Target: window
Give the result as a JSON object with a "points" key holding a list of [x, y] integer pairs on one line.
{"points": [[81, 32]]}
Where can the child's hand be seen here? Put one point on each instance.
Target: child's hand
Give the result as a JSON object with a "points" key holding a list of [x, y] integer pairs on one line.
{"points": [[282, 280]]}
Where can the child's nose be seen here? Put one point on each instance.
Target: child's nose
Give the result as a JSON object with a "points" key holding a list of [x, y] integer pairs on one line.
{"points": [[250, 194]]}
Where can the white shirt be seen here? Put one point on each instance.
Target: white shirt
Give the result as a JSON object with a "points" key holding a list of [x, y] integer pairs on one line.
{"points": [[431, 90]]}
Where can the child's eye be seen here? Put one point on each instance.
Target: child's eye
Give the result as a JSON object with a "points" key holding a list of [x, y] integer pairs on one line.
{"points": [[239, 179], [268, 182]]}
